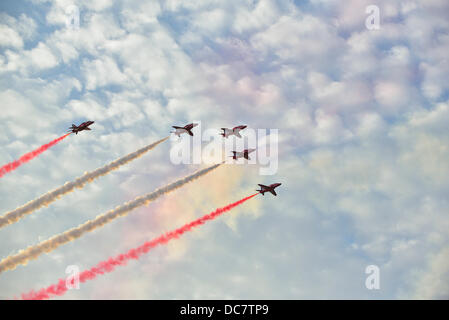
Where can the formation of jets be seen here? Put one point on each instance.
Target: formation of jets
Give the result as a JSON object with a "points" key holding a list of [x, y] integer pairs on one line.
{"points": [[188, 129], [226, 132]]}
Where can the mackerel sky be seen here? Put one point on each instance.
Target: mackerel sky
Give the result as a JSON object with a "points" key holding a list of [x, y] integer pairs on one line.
{"points": [[363, 121]]}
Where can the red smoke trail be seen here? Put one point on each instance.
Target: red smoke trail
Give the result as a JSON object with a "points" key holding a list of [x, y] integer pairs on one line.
{"points": [[109, 265], [28, 156]]}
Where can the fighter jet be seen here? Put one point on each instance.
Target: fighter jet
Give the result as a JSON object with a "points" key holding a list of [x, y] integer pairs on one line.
{"points": [[81, 127], [234, 131], [243, 154], [269, 188], [185, 129]]}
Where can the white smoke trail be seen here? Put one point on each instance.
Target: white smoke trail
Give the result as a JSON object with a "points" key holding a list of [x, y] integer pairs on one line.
{"points": [[47, 198], [54, 242]]}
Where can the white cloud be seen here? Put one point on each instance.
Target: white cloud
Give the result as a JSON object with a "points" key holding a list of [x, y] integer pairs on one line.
{"points": [[391, 95], [264, 14], [434, 285], [9, 37], [18, 29], [211, 21], [41, 57], [102, 72], [29, 61], [312, 40]]}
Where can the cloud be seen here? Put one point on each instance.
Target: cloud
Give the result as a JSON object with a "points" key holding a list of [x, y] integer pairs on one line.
{"points": [[34, 60], [433, 285], [313, 42], [9, 37], [16, 30], [263, 14], [100, 73]]}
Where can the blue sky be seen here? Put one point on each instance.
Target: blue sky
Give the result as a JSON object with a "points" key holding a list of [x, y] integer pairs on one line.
{"points": [[363, 144]]}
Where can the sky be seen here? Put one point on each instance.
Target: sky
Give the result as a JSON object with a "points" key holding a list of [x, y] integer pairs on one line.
{"points": [[362, 116]]}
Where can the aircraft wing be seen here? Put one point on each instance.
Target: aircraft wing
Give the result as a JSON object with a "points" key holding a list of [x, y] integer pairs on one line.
{"points": [[273, 192]]}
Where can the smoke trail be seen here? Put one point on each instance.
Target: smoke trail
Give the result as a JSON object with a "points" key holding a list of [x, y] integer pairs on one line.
{"points": [[109, 265], [51, 244], [28, 156], [47, 198]]}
